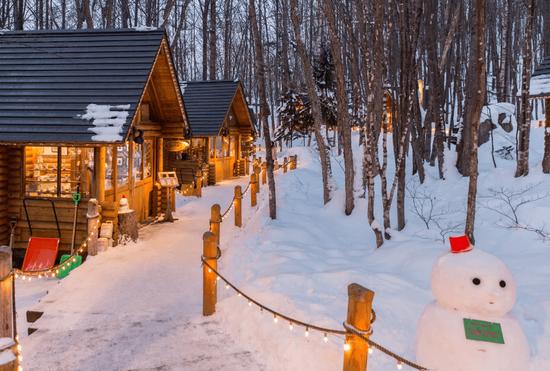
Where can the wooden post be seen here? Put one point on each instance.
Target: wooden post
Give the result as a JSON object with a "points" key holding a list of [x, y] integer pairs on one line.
{"points": [[257, 171], [264, 173], [238, 206], [209, 287], [198, 184], [294, 163], [7, 315], [253, 198], [359, 316], [100, 156], [246, 166], [285, 164], [94, 210], [215, 221]]}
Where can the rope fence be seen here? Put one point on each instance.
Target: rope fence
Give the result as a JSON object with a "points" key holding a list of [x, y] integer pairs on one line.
{"points": [[350, 331]]}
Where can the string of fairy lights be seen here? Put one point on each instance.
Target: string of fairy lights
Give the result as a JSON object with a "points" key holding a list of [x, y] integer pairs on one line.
{"points": [[308, 327]]}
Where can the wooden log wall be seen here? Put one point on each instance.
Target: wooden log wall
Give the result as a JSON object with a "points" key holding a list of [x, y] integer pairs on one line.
{"points": [[4, 227], [15, 187]]}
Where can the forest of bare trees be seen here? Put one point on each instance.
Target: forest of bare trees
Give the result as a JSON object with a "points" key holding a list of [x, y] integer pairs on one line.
{"points": [[465, 53]]}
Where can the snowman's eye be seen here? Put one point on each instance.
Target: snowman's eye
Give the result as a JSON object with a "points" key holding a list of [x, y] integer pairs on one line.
{"points": [[476, 281], [502, 284]]}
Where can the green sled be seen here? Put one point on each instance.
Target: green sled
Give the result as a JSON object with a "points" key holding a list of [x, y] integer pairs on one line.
{"points": [[73, 265]]}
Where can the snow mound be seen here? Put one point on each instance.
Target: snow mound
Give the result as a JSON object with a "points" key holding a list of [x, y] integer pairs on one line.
{"points": [[107, 120]]}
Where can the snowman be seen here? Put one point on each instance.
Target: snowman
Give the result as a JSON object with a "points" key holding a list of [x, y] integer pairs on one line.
{"points": [[469, 327]]}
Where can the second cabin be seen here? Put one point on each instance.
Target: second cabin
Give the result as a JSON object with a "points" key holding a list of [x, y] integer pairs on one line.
{"points": [[88, 111], [222, 132]]}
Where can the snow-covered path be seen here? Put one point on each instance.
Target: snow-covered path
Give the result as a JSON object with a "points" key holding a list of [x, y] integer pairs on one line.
{"points": [[138, 307]]}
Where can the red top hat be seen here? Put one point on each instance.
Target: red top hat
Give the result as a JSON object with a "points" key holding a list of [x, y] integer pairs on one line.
{"points": [[460, 244]]}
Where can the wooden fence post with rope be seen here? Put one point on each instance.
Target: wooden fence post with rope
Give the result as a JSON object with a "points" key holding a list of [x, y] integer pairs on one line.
{"points": [[7, 311], [198, 183], [257, 171], [209, 287], [253, 182], [285, 164], [264, 172], [359, 316], [293, 162], [238, 207], [215, 221]]}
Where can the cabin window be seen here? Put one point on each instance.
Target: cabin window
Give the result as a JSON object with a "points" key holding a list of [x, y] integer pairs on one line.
{"points": [[219, 147], [143, 160], [109, 168], [122, 162], [58, 171], [148, 158], [232, 146], [225, 147], [138, 162]]}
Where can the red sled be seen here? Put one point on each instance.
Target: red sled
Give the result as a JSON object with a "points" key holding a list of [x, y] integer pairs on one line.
{"points": [[41, 254], [41, 251]]}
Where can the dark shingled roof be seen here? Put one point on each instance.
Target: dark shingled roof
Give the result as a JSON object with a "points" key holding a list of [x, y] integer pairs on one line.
{"points": [[48, 78], [543, 68], [207, 103]]}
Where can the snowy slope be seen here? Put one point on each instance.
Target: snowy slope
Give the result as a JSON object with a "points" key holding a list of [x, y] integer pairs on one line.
{"points": [[302, 263]]}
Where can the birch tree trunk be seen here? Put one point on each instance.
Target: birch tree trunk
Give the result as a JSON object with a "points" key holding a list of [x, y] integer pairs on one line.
{"points": [[315, 103], [474, 104], [342, 103], [264, 107], [522, 168]]}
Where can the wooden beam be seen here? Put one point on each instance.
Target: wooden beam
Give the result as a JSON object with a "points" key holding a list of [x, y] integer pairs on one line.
{"points": [[100, 173]]}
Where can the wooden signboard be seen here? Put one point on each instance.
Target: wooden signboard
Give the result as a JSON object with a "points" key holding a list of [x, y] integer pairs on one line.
{"points": [[483, 331], [168, 179]]}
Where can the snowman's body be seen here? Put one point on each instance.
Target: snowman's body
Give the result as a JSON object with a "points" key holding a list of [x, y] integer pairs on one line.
{"points": [[442, 344], [478, 286]]}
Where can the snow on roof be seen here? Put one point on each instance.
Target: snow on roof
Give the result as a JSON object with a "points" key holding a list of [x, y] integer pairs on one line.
{"points": [[107, 120], [540, 85]]}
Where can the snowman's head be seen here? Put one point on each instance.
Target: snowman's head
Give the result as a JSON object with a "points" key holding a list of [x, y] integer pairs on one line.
{"points": [[473, 281]]}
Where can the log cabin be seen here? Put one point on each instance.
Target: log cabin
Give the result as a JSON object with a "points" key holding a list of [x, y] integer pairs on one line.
{"points": [[221, 129], [540, 88], [83, 110]]}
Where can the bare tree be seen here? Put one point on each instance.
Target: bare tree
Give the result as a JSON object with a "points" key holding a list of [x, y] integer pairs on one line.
{"points": [[264, 108], [315, 103], [524, 124], [342, 103], [474, 103]]}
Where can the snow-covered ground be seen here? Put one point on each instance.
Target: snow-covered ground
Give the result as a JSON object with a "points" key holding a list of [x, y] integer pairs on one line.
{"points": [[138, 306], [135, 307]]}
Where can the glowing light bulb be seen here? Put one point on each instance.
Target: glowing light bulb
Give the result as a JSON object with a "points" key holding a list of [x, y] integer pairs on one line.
{"points": [[39, 276], [399, 366], [218, 278], [209, 270], [290, 326], [227, 287], [16, 276], [239, 294], [371, 350], [275, 319], [307, 332], [347, 347], [249, 303], [325, 338]]}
